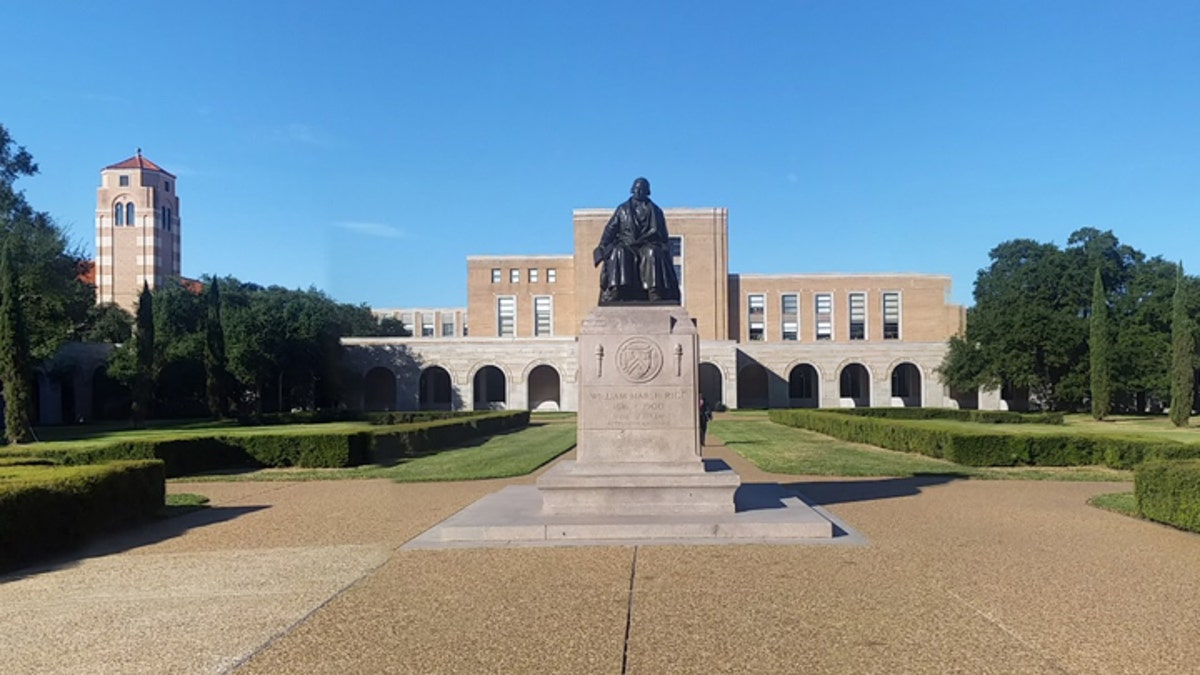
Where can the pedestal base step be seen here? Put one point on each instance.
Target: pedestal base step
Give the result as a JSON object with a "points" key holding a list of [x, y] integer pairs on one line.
{"points": [[514, 517], [637, 489]]}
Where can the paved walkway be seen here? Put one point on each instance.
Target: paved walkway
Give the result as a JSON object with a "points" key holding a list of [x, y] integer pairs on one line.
{"points": [[958, 576]]}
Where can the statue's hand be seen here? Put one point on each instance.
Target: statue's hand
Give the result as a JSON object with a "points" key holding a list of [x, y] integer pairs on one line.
{"points": [[597, 256]]}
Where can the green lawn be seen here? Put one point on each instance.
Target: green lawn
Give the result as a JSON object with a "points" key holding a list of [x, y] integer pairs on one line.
{"points": [[1123, 503], [781, 449], [502, 456]]}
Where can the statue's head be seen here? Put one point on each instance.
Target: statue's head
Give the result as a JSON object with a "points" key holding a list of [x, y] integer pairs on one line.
{"points": [[640, 189]]}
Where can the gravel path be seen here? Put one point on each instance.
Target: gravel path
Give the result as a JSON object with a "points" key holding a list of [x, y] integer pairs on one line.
{"points": [[959, 576]]}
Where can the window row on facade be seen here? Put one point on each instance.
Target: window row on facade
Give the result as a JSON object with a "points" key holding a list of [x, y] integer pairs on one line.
{"points": [[123, 181], [125, 214], [822, 318], [543, 316], [533, 275]]}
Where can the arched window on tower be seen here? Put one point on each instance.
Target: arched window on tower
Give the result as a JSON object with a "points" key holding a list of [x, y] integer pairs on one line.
{"points": [[129, 214], [119, 214]]}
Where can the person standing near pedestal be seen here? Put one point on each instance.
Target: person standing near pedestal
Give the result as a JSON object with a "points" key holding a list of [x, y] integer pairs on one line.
{"points": [[705, 416], [635, 250]]}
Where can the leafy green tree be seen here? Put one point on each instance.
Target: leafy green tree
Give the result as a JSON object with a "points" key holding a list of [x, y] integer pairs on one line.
{"points": [[143, 386], [14, 354], [1027, 327], [215, 365], [107, 323], [1183, 354], [1099, 349], [55, 301]]}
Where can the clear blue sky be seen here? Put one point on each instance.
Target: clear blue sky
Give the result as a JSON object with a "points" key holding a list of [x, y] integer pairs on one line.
{"points": [[367, 148]]}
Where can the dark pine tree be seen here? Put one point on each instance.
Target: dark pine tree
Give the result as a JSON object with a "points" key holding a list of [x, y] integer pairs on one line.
{"points": [[143, 384], [215, 365], [1100, 349], [14, 354], [1183, 344]]}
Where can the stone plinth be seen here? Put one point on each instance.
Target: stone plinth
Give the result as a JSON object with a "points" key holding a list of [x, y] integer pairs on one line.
{"points": [[638, 447]]}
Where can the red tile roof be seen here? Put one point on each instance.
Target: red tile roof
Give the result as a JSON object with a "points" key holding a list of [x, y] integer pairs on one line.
{"points": [[139, 162], [85, 271]]}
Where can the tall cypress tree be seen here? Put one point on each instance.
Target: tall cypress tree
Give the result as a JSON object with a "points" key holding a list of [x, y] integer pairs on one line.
{"points": [[1099, 349], [14, 354], [143, 384], [1183, 344], [215, 366]]}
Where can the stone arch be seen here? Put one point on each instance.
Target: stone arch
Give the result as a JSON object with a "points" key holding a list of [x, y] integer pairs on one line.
{"points": [[712, 383], [854, 385], [543, 385], [489, 387], [752, 386], [473, 371], [435, 389], [379, 389], [907, 382], [804, 386]]}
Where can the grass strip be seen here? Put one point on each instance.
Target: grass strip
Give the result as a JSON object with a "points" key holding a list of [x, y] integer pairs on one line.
{"points": [[502, 456], [791, 450]]}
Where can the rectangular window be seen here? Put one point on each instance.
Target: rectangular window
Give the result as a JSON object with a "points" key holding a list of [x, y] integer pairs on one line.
{"points": [[541, 316], [495, 275], [824, 319], [514, 275], [756, 331], [787, 304], [506, 316], [676, 244], [448, 326], [167, 185], [124, 181], [426, 326], [756, 303], [406, 323], [791, 330], [891, 316], [533, 275], [551, 275], [858, 316]]}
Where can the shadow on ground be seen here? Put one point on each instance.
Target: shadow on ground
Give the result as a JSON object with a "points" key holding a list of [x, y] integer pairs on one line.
{"points": [[823, 493], [134, 536]]}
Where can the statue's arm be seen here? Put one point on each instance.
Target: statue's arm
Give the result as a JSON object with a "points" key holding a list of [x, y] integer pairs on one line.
{"points": [[607, 239]]}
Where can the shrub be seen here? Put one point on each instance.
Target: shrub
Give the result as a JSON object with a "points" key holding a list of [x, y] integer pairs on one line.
{"points": [[979, 416], [1169, 492], [48, 509], [986, 448], [187, 456], [388, 446]]}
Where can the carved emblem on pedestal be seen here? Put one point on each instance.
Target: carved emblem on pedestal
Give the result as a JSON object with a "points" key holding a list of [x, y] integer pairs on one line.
{"points": [[639, 360]]}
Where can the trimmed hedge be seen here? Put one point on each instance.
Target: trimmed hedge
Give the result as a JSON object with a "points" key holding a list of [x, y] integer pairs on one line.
{"points": [[1169, 492], [383, 418], [187, 456], [49, 509], [986, 448], [979, 416], [388, 446]]}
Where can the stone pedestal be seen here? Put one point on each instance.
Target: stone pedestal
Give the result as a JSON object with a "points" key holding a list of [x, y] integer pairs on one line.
{"points": [[638, 447]]}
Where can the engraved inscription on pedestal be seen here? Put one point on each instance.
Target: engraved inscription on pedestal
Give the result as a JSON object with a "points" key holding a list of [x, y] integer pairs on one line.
{"points": [[638, 446]]}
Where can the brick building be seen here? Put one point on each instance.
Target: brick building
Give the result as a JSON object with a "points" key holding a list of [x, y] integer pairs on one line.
{"points": [[780, 340]]}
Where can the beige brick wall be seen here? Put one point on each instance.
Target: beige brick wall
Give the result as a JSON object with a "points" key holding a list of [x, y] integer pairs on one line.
{"points": [[483, 294], [705, 250], [925, 313]]}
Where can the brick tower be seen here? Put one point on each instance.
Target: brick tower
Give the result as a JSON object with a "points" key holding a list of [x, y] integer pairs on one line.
{"points": [[137, 230]]}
